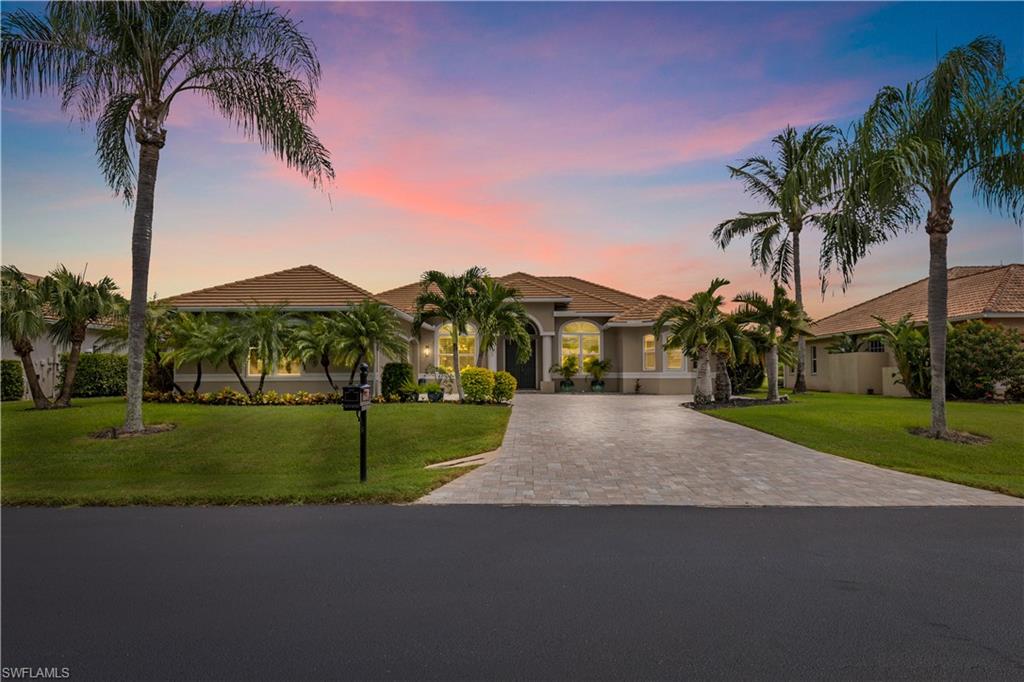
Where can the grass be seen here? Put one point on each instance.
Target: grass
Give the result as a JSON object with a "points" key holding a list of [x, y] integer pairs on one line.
{"points": [[235, 455], [873, 429]]}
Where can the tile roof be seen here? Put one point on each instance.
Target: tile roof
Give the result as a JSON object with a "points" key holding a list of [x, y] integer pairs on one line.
{"points": [[647, 311], [305, 287], [619, 300], [974, 291], [404, 297], [530, 286]]}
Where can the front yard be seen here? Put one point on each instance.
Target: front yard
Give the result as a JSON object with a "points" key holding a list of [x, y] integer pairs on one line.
{"points": [[234, 455], [873, 429]]}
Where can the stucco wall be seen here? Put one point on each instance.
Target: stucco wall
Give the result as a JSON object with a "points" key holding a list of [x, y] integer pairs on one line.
{"points": [[46, 359]]}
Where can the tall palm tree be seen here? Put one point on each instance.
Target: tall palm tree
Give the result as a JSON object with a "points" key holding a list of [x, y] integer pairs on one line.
{"points": [[781, 319], [21, 321], [699, 328], [123, 64], [498, 312], [76, 304], [962, 123], [266, 331], [320, 341], [798, 189], [366, 330], [449, 298]]}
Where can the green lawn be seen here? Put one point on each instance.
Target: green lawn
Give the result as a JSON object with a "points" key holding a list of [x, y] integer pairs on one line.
{"points": [[229, 455], [873, 429]]}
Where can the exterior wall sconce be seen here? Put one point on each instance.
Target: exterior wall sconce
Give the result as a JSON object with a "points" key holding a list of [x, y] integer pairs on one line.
{"points": [[426, 351]]}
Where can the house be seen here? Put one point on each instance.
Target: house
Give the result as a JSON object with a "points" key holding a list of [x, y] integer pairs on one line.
{"points": [[46, 354], [567, 315], [991, 293]]}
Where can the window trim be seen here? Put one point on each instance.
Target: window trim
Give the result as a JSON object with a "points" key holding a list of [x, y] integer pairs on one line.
{"points": [[579, 354]]}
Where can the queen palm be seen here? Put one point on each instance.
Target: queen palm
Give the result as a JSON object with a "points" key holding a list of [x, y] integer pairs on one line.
{"points": [[699, 328], [449, 298], [123, 65], [798, 188], [364, 331], [781, 319], [497, 313], [75, 303], [964, 123], [21, 320]]}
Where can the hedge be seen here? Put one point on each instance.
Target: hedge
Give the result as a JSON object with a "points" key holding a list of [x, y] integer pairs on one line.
{"points": [[98, 374], [478, 384], [228, 396], [980, 357], [12, 380], [504, 387], [395, 376]]}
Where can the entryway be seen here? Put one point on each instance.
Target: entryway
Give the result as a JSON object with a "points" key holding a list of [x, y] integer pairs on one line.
{"points": [[524, 372]]}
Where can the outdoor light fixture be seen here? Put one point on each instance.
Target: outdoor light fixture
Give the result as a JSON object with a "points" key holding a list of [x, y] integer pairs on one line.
{"points": [[426, 350]]}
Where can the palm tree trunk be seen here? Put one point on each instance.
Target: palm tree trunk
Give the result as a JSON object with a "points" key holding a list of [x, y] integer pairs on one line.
{"points": [[355, 367], [938, 226], [704, 390], [64, 399], [263, 377], [800, 384], [199, 377], [35, 389], [142, 241], [455, 363], [773, 372], [325, 362], [234, 368], [723, 384]]}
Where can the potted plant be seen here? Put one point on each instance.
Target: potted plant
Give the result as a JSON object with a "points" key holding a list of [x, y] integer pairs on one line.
{"points": [[569, 368], [434, 391], [597, 368], [409, 392]]}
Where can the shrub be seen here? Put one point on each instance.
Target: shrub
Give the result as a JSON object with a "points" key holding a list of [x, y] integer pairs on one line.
{"points": [[12, 380], [229, 396], [393, 378], [98, 374], [979, 356], [477, 384], [746, 376], [504, 387]]}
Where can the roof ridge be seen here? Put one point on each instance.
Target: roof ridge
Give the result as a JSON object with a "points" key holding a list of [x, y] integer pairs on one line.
{"points": [[998, 289], [587, 293], [979, 270], [863, 303], [388, 291], [338, 279], [542, 283], [239, 281], [603, 286]]}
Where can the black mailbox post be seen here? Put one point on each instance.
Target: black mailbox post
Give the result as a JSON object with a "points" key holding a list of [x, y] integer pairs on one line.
{"points": [[357, 399]]}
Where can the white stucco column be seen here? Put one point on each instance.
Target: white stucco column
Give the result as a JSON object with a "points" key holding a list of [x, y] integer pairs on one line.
{"points": [[546, 344]]}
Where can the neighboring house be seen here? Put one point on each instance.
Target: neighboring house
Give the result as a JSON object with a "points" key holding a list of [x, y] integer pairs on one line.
{"points": [[567, 315], [46, 354], [993, 293]]}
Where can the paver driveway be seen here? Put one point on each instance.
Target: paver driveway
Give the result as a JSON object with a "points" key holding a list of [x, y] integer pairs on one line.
{"points": [[627, 449]]}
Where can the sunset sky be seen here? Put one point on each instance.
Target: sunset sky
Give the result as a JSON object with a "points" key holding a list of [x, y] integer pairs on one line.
{"points": [[589, 140]]}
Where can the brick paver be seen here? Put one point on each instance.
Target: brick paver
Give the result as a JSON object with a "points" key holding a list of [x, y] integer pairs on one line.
{"points": [[627, 449]]}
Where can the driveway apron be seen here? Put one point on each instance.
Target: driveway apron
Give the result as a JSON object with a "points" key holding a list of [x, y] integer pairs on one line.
{"points": [[629, 449]]}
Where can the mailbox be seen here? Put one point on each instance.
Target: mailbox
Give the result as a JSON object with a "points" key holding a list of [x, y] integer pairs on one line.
{"points": [[356, 398]]}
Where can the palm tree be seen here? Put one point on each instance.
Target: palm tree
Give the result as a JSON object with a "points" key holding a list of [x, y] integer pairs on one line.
{"points": [[781, 319], [366, 330], [265, 331], [699, 328], [739, 349], [76, 304], [187, 336], [122, 64], [320, 341], [218, 342], [799, 191], [498, 312], [159, 330], [962, 123], [21, 320], [449, 298], [909, 347]]}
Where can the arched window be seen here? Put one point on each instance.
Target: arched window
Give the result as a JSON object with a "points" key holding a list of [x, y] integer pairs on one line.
{"points": [[582, 339], [445, 348], [650, 359]]}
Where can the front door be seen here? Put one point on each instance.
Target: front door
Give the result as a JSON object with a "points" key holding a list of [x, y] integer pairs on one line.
{"points": [[525, 373]]}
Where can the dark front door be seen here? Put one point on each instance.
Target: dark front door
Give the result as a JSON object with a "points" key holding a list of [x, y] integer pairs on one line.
{"points": [[525, 373]]}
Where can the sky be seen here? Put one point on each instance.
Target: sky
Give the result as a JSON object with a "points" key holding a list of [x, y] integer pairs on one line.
{"points": [[582, 139]]}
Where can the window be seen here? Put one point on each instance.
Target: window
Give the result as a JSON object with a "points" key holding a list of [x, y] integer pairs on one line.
{"points": [[582, 339], [814, 359], [876, 346], [285, 366], [467, 348], [649, 351], [674, 358]]}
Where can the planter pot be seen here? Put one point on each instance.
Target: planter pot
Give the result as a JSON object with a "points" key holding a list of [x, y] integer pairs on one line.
{"points": [[567, 386], [409, 397], [597, 385], [435, 396]]}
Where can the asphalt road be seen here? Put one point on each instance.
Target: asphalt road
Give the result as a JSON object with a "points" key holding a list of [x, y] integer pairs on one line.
{"points": [[492, 592]]}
